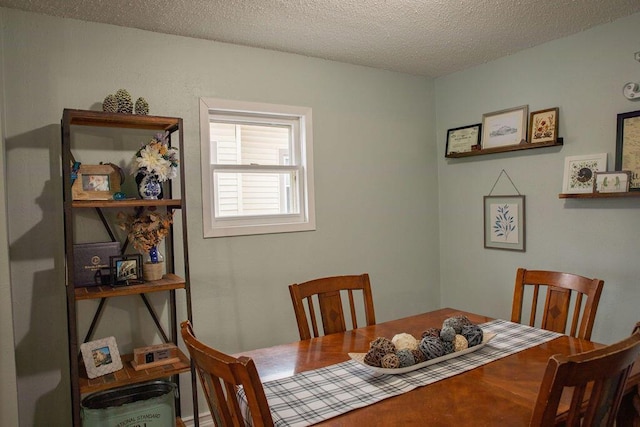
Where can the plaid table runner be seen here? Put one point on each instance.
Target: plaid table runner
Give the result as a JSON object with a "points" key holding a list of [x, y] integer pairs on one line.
{"points": [[313, 396]]}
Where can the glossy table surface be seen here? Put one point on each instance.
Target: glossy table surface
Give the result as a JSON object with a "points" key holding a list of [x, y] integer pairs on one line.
{"points": [[499, 393]]}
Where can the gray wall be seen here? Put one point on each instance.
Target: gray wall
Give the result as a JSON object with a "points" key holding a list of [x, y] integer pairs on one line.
{"points": [[583, 75], [375, 173]]}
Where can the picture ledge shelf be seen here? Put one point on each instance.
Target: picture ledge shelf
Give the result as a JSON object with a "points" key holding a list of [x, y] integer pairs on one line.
{"points": [[599, 195], [521, 146]]}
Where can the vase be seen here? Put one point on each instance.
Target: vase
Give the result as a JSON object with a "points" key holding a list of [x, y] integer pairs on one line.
{"points": [[149, 187], [153, 265]]}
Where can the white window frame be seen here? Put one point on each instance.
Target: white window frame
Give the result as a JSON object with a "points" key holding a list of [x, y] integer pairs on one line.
{"points": [[259, 224]]}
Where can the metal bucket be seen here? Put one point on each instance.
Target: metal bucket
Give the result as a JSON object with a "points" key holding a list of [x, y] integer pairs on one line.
{"points": [[150, 404]]}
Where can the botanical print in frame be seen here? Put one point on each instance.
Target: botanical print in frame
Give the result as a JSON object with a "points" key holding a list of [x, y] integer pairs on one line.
{"points": [[504, 222], [628, 146], [543, 126], [101, 357], [504, 128], [580, 170], [611, 182]]}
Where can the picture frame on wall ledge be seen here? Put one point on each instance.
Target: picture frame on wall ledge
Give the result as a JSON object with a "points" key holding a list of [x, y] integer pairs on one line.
{"points": [[504, 222], [101, 357], [579, 172], [463, 139], [628, 146], [611, 182], [505, 127], [543, 126]]}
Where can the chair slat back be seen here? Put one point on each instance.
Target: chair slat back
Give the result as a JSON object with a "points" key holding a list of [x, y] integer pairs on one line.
{"points": [[327, 292], [598, 380], [559, 287], [220, 376]]}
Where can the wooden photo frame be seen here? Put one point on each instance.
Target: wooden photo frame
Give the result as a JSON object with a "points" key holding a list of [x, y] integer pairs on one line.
{"points": [[101, 357], [628, 146], [543, 126], [125, 269], [580, 170], [96, 182], [611, 182], [504, 222], [505, 127], [463, 139]]}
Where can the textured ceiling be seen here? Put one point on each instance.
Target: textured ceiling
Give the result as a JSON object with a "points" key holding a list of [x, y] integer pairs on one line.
{"points": [[424, 37]]}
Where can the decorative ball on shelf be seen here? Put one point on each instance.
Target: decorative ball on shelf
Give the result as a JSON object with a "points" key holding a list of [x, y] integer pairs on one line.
{"points": [[374, 357], [473, 334], [418, 356], [406, 358], [404, 341], [125, 104], [447, 333], [141, 106], [110, 104], [390, 360], [431, 347], [460, 343], [433, 332], [448, 347], [383, 344]]}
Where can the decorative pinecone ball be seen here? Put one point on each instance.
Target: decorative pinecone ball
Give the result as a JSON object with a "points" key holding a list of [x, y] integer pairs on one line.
{"points": [[110, 104], [142, 106], [125, 105]]}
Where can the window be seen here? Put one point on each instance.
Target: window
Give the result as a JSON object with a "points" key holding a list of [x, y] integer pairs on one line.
{"points": [[257, 168]]}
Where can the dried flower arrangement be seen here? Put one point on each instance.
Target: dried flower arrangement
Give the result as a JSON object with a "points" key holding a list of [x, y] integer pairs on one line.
{"points": [[156, 158], [146, 229]]}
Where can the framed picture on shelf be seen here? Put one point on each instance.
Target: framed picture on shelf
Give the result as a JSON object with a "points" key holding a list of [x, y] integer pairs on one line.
{"points": [[579, 172], [96, 182], [101, 357], [125, 269], [505, 127], [504, 226], [628, 147], [463, 139], [543, 126], [611, 182]]}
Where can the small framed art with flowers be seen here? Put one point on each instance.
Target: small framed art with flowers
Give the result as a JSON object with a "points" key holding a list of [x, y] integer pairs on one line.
{"points": [[504, 226], [543, 126]]}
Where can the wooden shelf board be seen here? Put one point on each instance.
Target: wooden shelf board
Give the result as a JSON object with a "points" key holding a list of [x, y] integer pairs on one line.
{"points": [[599, 195], [522, 146], [120, 120], [127, 375], [172, 203], [168, 282]]}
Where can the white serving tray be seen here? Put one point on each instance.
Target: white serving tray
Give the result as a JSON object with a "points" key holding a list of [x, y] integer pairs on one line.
{"points": [[359, 357]]}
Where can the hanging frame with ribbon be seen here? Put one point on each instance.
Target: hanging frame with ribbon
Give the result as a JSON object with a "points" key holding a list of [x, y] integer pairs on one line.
{"points": [[504, 219]]}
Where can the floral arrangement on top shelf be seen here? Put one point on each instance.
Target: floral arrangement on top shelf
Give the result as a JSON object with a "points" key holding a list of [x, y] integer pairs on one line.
{"points": [[154, 163], [145, 230]]}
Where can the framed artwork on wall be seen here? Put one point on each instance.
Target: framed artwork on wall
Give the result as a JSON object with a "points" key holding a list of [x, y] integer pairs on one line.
{"points": [[543, 126], [504, 222], [463, 139], [611, 182], [628, 146], [579, 172], [504, 128], [101, 357]]}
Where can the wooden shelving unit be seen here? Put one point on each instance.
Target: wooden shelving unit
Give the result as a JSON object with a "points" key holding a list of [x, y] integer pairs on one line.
{"points": [[169, 284], [519, 147], [599, 195]]}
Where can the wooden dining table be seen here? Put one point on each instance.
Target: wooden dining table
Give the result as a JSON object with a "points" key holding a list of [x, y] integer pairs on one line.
{"points": [[499, 393]]}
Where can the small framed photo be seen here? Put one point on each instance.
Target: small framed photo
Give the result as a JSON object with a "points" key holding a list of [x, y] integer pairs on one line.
{"points": [[101, 357], [96, 182], [611, 182], [504, 128], [125, 269], [504, 226], [628, 146], [579, 172], [543, 126], [463, 139]]}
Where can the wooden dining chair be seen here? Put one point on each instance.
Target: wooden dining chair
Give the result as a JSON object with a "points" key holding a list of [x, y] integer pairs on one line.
{"points": [[327, 292], [560, 287], [598, 380], [220, 376]]}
